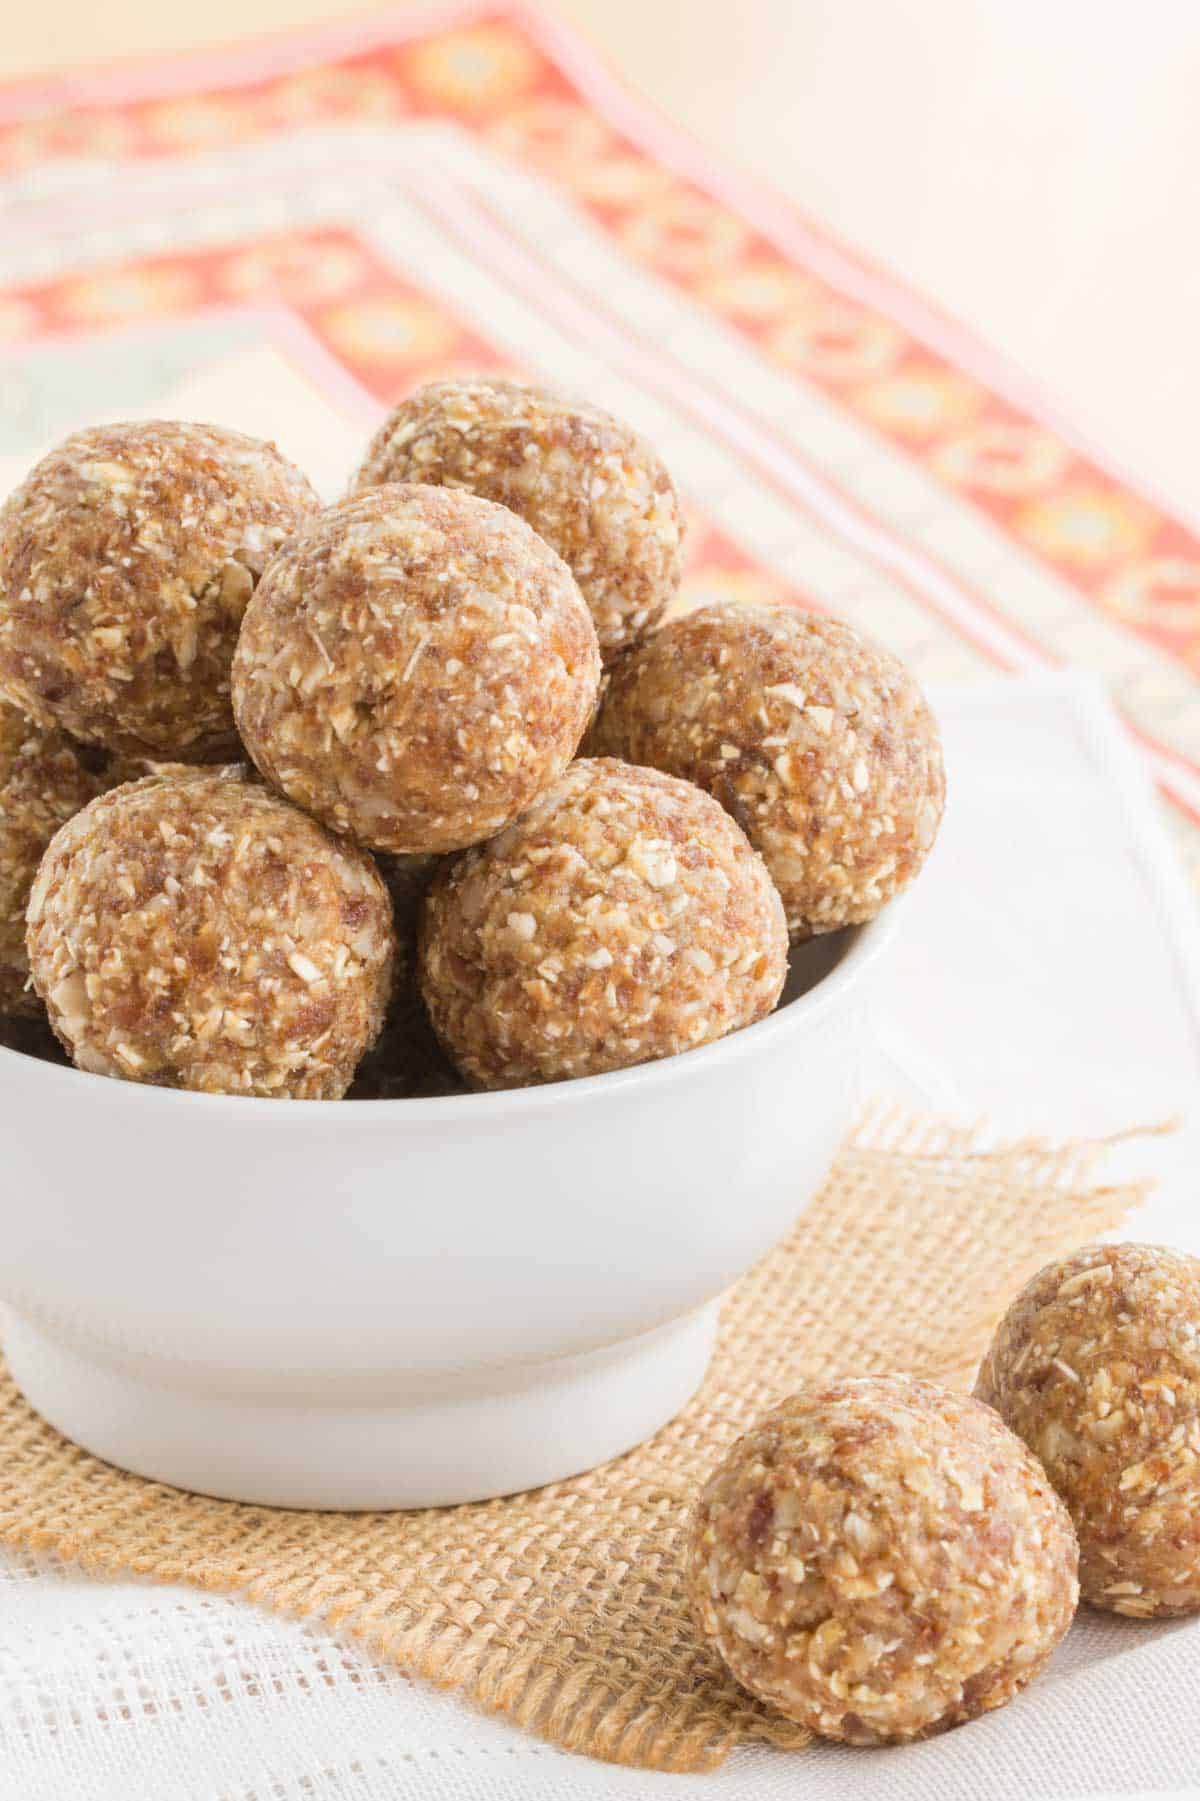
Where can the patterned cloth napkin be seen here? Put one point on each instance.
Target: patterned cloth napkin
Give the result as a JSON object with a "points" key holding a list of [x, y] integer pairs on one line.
{"points": [[288, 237]]}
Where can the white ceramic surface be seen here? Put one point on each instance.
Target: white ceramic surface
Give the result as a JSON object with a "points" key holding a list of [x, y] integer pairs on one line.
{"points": [[403, 1303]]}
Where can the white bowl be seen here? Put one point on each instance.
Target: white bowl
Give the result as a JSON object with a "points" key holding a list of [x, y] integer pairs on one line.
{"points": [[403, 1303]]}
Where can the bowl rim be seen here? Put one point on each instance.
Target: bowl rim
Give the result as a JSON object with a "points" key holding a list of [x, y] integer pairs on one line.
{"points": [[865, 946]]}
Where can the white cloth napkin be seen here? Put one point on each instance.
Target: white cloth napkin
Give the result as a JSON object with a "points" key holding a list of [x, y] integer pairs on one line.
{"points": [[1047, 971], [1046, 976]]}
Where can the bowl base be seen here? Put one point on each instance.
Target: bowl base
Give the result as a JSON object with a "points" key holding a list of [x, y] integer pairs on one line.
{"points": [[473, 1439]]}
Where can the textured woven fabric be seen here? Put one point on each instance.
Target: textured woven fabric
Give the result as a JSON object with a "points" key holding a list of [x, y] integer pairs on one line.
{"points": [[565, 1609], [120, 1690]]}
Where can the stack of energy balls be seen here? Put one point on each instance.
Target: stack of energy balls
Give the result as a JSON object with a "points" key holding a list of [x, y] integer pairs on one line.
{"points": [[290, 797]]}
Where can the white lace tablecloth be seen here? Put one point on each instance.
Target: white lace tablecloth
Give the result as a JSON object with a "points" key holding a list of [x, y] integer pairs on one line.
{"points": [[1046, 976]]}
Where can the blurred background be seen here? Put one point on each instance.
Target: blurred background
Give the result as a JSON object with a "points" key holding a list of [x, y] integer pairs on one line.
{"points": [[1034, 164]]}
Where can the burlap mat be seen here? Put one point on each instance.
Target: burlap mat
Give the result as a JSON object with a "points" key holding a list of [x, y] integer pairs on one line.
{"points": [[564, 1609]]}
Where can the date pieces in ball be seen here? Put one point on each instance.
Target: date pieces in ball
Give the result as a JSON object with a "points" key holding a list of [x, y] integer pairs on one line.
{"points": [[623, 918], [818, 741], [127, 557], [414, 668], [45, 778], [1097, 1366], [588, 485], [197, 932], [881, 1559]]}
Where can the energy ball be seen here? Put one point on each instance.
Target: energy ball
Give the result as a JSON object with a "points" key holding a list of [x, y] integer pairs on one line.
{"points": [[587, 484], [44, 779], [818, 742], [126, 560], [200, 933], [880, 1560], [624, 917], [1097, 1365], [415, 666]]}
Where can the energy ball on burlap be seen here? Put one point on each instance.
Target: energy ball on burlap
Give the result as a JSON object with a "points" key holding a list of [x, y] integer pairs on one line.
{"points": [[1097, 1365], [45, 778], [818, 741], [881, 1559], [414, 667], [591, 487], [126, 560], [624, 917], [198, 932]]}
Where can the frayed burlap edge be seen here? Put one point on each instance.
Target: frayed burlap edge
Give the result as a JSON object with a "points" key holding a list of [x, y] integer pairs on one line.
{"points": [[564, 1609]]}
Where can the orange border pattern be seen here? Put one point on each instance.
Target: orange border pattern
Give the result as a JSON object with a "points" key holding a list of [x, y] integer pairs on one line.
{"points": [[937, 405], [385, 332], [1129, 557]]}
